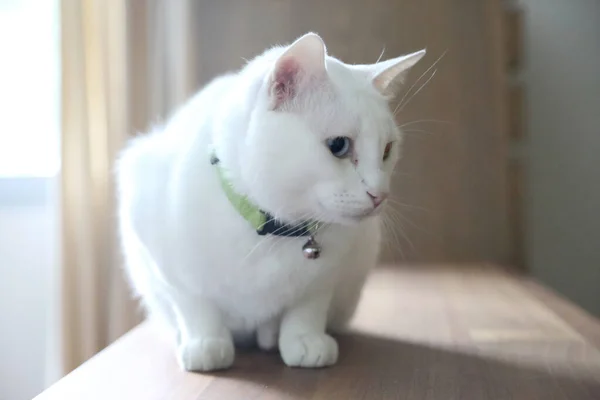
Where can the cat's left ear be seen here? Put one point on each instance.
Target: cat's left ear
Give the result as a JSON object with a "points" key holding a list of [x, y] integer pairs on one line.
{"points": [[385, 73], [302, 63]]}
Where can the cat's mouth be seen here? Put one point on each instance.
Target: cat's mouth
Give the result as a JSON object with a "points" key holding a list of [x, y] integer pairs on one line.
{"points": [[345, 217]]}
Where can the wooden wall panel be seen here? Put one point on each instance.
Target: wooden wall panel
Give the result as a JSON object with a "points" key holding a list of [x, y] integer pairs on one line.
{"points": [[516, 93], [453, 178], [515, 192], [513, 16], [516, 105]]}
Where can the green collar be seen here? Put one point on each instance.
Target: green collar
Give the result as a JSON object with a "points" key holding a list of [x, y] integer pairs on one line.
{"points": [[260, 220]]}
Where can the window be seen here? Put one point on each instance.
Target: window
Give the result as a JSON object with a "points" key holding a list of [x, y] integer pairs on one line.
{"points": [[29, 88]]}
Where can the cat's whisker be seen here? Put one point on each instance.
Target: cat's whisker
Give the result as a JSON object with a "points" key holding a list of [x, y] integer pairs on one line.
{"points": [[415, 93], [381, 55], [260, 242], [265, 238], [423, 120], [417, 131], [386, 229], [398, 224], [409, 96], [417, 81], [295, 228], [407, 220], [275, 242], [397, 245], [401, 204]]}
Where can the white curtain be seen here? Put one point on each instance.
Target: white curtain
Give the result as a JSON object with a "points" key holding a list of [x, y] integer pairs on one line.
{"points": [[125, 65]]}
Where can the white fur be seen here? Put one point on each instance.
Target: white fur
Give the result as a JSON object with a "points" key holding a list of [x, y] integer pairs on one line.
{"points": [[199, 266]]}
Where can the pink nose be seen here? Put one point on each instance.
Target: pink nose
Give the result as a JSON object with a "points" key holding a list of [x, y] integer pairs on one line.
{"points": [[377, 199]]}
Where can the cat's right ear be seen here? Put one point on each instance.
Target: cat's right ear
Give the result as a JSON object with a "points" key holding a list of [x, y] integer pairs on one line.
{"points": [[302, 64]]}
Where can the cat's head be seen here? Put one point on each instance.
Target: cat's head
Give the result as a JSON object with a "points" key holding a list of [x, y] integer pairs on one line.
{"points": [[322, 141]]}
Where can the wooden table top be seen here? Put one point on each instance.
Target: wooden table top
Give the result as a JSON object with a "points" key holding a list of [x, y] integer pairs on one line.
{"points": [[469, 333]]}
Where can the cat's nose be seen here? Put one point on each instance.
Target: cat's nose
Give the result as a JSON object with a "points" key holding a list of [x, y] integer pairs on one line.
{"points": [[377, 198]]}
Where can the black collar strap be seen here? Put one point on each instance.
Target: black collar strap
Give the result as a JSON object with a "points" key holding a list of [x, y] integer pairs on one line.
{"points": [[278, 228]]}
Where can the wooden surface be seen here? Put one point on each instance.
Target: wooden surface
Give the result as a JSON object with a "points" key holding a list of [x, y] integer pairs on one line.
{"points": [[452, 178], [419, 334]]}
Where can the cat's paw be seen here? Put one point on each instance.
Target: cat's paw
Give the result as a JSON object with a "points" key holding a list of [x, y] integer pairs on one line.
{"points": [[309, 350], [206, 354]]}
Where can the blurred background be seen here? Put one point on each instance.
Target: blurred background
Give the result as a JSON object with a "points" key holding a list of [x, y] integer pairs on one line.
{"points": [[501, 166]]}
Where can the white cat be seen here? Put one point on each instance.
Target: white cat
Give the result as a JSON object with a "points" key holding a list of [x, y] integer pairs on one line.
{"points": [[297, 136]]}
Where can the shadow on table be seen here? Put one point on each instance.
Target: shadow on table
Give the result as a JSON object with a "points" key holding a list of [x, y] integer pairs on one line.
{"points": [[378, 368]]}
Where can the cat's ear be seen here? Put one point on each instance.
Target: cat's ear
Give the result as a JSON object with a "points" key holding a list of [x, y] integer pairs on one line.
{"points": [[299, 65], [385, 73]]}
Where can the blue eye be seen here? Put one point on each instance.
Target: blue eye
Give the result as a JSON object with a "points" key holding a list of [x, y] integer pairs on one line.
{"points": [[339, 146]]}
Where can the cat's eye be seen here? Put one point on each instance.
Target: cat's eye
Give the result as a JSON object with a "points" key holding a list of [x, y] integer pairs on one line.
{"points": [[339, 146], [387, 150]]}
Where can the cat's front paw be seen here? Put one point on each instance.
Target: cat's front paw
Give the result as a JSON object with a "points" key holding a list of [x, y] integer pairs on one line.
{"points": [[310, 350], [206, 354]]}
